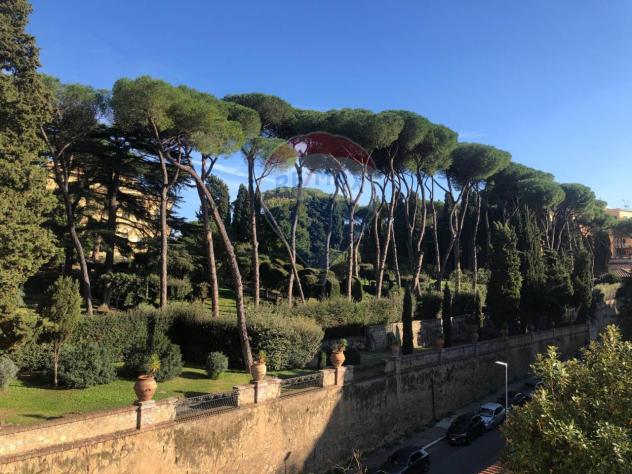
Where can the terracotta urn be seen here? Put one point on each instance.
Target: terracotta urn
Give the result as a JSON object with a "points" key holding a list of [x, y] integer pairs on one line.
{"points": [[258, 371], [395, 349], [145, 387], [337, 358], [439, 342]]}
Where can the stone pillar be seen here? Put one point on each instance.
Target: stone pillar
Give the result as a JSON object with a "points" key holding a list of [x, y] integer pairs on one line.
{"points": [[150, 413], [339, 376], [329, 377], [267, 389], [245, 394]]}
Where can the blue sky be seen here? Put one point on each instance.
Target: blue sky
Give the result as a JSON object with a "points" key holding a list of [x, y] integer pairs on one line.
{"points": [[551, 82]]}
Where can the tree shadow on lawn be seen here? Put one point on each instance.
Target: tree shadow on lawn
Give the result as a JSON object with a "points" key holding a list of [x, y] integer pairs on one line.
{"points": [[39, 416], [37, 380], [189, 374], [189, 394]]}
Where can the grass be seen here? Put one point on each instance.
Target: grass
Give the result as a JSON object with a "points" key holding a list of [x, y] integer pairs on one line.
{"points": [[30, 400]]}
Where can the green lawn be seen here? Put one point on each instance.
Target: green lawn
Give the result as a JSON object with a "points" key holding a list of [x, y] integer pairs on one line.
{"points": [[31, 399]]}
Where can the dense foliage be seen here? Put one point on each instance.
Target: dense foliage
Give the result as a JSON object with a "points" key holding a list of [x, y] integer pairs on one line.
{"points": [[85, 365], [216, 363], [580, 420], [8, 371]]}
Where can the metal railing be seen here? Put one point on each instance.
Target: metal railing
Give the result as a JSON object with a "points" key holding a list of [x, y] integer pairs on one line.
{"points": [[296, 385], [205, 405]]}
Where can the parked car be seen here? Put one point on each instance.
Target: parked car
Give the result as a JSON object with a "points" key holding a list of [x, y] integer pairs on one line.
{"points": [[409, 460], [530, 386], [493, 414], [465, 428], [516, 399]]}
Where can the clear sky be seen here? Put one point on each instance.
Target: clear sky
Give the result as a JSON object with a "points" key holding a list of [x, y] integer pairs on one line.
{"points": [[549, 81]]}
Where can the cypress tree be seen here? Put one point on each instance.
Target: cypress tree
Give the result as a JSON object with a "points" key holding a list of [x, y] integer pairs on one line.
{"points": [[446, 315], [505, 283], [24, 200], [407, 322], [531, 267], [559, 285], [241, 206], [582, 283]]}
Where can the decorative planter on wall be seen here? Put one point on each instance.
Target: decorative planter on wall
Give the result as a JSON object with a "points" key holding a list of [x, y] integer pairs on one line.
{"points": [[145, 387], [258, 371], [337, 358]]}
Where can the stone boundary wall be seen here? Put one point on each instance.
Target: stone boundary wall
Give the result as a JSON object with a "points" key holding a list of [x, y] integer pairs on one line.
{"points": [[76, 428], [306, 432]]}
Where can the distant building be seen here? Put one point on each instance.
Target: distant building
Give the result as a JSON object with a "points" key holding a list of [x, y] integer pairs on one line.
{"points": [[620, 246]]}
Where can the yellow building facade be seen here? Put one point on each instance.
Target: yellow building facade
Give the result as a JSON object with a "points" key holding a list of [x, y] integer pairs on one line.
{"points": [[620, 246]]}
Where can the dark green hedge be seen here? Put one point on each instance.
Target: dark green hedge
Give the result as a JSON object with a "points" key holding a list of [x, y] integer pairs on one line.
{"points": [[289, 341], [340, 317]]}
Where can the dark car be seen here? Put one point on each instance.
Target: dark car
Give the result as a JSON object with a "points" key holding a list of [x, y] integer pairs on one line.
{"points": [[516, 399], [409, 460], [530, 386], [465, 428]]}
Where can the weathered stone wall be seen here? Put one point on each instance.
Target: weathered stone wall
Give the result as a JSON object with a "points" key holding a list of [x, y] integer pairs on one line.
{"points": [[310, 431]]}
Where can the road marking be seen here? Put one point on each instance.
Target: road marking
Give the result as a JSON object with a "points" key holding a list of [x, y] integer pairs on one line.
{"points": [[430, 445]]}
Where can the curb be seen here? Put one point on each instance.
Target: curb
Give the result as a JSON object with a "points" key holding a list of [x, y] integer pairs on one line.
{"points": [[431, 444]]}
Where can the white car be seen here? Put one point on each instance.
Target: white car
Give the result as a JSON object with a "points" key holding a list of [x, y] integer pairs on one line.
{"points": [[492, 414]]}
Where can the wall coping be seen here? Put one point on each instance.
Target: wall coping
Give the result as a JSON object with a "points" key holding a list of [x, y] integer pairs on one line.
{"points": [[73, 418]]}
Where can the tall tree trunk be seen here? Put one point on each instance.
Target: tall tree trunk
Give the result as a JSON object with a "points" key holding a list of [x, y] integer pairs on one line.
{"points": [[254, 242], [110, 234], [435, 238], [210, 255], [420, 239], [477, 219], [488, 231], [72, 230], [387, 239], [55, 364], [164, 238], [398, 275], [275, 225], [232, 263], [330, 229], [351, 250], [297, 209]]}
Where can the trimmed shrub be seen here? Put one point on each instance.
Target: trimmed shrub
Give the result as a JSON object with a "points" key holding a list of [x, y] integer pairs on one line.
{"points": [[170, 361], [463, 303], [356, 289], [289, 340], [340, 317], [608, 279], [8, 372], [119, 332], [429, 306], [366, 271], [85, 365], [138, 358], [33, 357], [216, 363]]}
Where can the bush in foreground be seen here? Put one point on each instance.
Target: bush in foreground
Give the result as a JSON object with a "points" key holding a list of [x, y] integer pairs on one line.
{"points": [[8, 372], [580, 420], [216, 363], [82, 366]]}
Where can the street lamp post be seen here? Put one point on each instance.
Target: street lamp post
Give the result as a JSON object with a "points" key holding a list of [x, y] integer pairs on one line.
{"points": [[505, 365]]}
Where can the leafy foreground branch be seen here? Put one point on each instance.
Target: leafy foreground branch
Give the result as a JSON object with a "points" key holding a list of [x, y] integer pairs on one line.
{"points": [[581, 420]]}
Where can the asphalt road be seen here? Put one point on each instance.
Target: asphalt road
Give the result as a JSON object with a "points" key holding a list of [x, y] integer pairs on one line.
{"points": [[472, 459]]}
